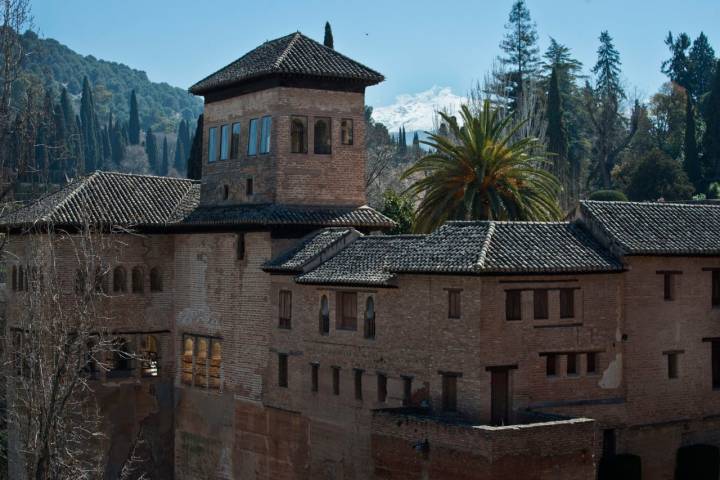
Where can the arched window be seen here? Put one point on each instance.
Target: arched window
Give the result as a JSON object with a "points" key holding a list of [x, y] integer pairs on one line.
{"points": [[201, 362], [187, 360], [370, 318], [156, 281], [298, 135], [122, 359], [323, 139], [215, 364], [150, 356], [119, 280], [14, 278], [324, 316], [138, 280]]}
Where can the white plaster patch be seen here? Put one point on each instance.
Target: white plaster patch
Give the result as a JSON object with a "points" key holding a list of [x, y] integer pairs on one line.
{"points": [[199, 314], [612, 376]]}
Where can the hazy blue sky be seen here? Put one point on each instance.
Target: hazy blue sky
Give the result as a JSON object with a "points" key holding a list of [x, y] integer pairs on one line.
{"points": [[414, 44]]}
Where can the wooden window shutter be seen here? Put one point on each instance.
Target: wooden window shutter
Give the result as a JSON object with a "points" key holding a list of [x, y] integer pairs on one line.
{"points": [[567, 303], [513, 305], [540, 297], [454, 304]]}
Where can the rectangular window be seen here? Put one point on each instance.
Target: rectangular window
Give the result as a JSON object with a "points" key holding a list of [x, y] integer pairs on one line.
{"points": [[668, 292], [212, 144], [249, 191], [540, 301], [347, 310], [716, 364], [551, 365], [567, 303], [381, 387], [591, 362], [346, 131], [513, 305], [240, 246], [323, 137], [202, 361], [572, 364], [315, 377], [672, 360], [235, 141], [282, 370], [358, 384], [298, 135], [253, 137], [285, 309], [336, 380], [716, 288], [453, 303], [265, 134], [449, 393], [224, 142], [407, 391]]}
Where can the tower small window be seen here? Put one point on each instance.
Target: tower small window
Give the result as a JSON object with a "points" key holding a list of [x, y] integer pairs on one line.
{"points": [[212, 144], [253, 137], [672, 361], [453, 303], [347, 310], [346, 131], [265, 134], [224, 142], [314, 377], [323, 137], [336, 380], [669, 283], [324, 326], [716, 288], [249, 187], [298, 135], [235, 141]]}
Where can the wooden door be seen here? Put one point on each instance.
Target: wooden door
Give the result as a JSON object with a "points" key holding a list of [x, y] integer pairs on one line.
{"points": [[499, 397]]}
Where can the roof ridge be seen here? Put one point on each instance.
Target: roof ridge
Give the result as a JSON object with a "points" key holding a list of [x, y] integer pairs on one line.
{"points": [[652, 203], [143, 175], [486, 246], [82, 184], [283, 55], [179, 204]]}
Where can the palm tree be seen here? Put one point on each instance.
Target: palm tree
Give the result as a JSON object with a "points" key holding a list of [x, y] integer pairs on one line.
{"points": [[480, 171]]}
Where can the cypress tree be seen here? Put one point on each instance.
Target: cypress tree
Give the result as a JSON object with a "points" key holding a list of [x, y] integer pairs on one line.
{"points": [[181, 149], [328, 41], [691, 162], [195, 161], [556, 132], [151, 150], [134, 122], [118, 144], [90, 131], [164, 163], [711, 137]]}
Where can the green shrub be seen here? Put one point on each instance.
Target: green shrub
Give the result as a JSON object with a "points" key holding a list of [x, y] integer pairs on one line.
{"points": [[608, 196]]}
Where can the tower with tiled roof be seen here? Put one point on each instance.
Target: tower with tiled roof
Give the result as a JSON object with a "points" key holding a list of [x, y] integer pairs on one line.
{"points": [[284, 126]]}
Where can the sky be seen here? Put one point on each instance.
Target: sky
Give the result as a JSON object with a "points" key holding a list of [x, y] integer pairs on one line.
{"points": [[422, 47]]}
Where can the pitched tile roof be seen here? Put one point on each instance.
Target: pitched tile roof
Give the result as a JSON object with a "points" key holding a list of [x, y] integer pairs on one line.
{"points": [[116, 199], [508, 247], [655, 228], [293, 54], [274, 214], [308, 249], [365, 262]]}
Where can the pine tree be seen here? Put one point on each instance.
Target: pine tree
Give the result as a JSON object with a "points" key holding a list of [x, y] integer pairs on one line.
{"points": [[521, 51], [195, 161], [556, 131], [90, 131], [607, 69], [328, 41], [164, 164], [151, 150], [711, 137], [134, 122], [702, 65]]}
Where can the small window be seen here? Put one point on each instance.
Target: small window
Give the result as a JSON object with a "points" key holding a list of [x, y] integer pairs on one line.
{"points": [[138, 280], [715, 288], [567, 303], [347, 311], [407, 391], [381, 388], [212, 144], [323, 138], [540, 301], [551, 365], [358, 384], [572, 364], [668, 290], [336, 380], [226, 192], [591, 362], [453, 303], [240, 246], [513, 305], [370, 318], [298, 135], [235, 141], [253, 137], [346, 131], [119, 280], [449, 393], [265, 134], [156, 280], [315, 377], [285, 309], [249, 187], [224, 142], [282, 370], [672, 361], [324, 325]]}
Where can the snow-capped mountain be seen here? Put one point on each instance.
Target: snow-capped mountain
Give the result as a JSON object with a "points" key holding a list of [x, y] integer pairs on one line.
{"points": [[415, 111]]}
